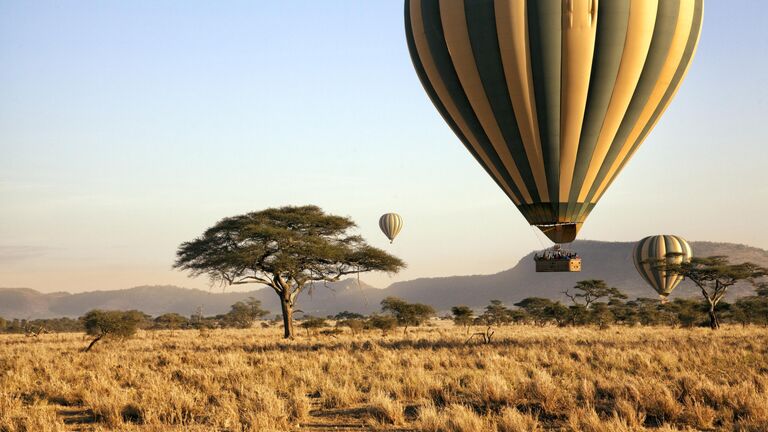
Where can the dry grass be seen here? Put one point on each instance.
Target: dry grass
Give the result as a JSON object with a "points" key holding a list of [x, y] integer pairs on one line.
{"points": [[528, 379]]}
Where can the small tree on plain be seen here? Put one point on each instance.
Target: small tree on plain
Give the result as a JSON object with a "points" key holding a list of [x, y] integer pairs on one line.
{"points": [[647, 311], [111, 324], [348, 315], [688, 312], [752, 309], [407, 314], [601, 314], [312, 325], [496, 314], [463, 316], [385, 323], [243, 313], [543, 311], [171, 321], [356, 325], [286, 249], [589, 291], [714, 275]]}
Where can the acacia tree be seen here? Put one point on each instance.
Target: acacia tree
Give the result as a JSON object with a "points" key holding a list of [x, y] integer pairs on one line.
{"points": [[313, 324], [243, 313], [714, 275], [407, 314], [752, 309], [463, 316], [287, 249], [543, 311], [171, 321], [385, 323], [117, 324], [496, 314], [356, 325], [592, 290]]}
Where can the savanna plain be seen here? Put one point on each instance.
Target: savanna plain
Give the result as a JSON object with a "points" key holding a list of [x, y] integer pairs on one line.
{"points": [[527, 378]]}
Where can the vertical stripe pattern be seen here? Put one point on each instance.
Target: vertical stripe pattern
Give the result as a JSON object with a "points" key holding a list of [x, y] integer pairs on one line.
{"points": [[651, 251], [552, 97], [391, 224]]}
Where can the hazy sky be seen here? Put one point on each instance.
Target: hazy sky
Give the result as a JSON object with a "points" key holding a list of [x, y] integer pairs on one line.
{"points": [[127, 128]]}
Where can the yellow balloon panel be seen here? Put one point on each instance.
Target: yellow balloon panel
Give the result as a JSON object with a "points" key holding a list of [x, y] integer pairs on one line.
{"points": [[552, 97]]}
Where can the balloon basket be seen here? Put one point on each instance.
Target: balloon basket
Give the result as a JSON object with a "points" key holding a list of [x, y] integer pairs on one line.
{"points": [[556, 260]]}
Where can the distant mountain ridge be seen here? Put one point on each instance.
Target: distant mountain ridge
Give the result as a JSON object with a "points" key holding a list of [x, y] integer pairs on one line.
{"points": [[610, 261]]}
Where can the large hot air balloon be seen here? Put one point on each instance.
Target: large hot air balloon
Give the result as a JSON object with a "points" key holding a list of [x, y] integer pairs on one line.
{"points": [[391, 224], [552, 97], [654, 250]]}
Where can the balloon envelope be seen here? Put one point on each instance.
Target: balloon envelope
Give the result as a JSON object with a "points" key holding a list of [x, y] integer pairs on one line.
{"points": [[391, 224], [552, 97], [653, 250]]}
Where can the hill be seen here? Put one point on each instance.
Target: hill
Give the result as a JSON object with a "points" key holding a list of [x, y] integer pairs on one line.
{"points": [[156, 300], [610, 261]]}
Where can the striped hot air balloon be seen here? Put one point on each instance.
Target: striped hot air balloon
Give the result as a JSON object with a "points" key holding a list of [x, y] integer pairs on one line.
{"points": [[651, 251], [391, 224], [552, 97]]}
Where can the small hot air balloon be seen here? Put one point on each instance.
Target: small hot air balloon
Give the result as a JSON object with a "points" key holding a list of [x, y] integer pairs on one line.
{"points": [[552, 97], [654, 250], [391, 224]]}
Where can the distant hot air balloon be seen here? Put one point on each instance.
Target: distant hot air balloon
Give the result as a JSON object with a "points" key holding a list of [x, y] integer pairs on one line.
{"points": [[654, 250], [391, 224], [552, 97]]}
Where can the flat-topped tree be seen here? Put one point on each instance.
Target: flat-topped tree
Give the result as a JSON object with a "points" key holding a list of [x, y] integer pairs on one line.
{"points": [[286, 249], [407, 314], [171, 321], [463, 316], [243, 313], [714, 275], [111, 324], [592, 290]]}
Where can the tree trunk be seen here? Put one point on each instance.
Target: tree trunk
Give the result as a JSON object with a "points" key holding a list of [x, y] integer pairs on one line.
{"points": [[714, 324], [287, 309], [93, 342]]}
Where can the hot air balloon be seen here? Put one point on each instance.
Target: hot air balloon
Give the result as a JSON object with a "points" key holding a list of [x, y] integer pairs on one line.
{"points": [[552, 97], [654, 250], [391, 224]]}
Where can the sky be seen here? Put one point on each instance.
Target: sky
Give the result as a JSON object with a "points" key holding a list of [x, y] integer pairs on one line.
{"points": [[127, 128]]}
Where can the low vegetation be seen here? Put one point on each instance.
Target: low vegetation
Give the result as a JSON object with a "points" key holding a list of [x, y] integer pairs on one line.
{"points": [[529, 378], [601, 363]]}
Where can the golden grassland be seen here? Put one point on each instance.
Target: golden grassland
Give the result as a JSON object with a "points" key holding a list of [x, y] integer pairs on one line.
{"points": [[527, 379]]}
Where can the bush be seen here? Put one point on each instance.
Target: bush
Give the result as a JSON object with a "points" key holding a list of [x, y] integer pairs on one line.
{"points": [[114, 324], [407, 314], [243, 313], [384, 323], [171, 321], [356, 325], [312, 324]]}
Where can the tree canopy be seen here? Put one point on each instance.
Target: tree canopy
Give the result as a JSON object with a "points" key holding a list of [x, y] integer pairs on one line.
{"points": [[243, 313], [286, 249], [714, 275], [407, 314], [117, 324], [170, 321], [462, 315], [589, 291]]}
